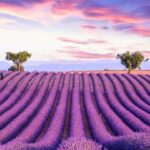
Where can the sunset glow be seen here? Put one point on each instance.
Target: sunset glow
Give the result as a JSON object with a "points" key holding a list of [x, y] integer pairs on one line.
{"points": [[60, 30]]}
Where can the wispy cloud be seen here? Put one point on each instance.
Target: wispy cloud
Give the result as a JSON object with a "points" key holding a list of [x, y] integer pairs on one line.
{"points": [[22, 3], [133, 28], [87, 55], [62, 7], [29, 10], [89, 27], [89, 9], [146, 54], [143, 31], [84, 42]]}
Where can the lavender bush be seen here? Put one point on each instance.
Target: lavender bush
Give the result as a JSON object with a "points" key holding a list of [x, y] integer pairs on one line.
{"points": [[106, 111]]}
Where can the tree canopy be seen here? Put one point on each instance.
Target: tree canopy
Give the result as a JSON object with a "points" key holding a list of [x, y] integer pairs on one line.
{"points": [[18, 59], [131, 60]]}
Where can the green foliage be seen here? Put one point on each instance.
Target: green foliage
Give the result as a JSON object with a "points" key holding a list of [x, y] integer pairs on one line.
{"points": [[131, 60], [18, 59]]}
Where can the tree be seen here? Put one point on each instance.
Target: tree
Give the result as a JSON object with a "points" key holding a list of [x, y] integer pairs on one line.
{"points": [[131, 60], [18, 59]]}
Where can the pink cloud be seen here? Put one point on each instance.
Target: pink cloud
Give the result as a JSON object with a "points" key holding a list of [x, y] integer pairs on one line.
{"points": [[64, 8], [112, 14], [63, 39], [87, 55], [141, 30], [89, 27], [146, 54], [35, 11], [109, 14], [42, 10], [84, 42], [45, 11]]}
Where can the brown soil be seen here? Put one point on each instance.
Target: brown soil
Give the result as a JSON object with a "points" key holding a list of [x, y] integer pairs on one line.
{"points": [[114, 71]]}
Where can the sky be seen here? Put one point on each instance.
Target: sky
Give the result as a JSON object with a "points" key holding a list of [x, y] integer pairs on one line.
{"points": [[74, 30]]}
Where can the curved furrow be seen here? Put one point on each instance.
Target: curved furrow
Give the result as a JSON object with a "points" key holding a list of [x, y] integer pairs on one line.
{"points": [[12, 87], [68, 111], [86, 122], [145, 77], [100, 85], [119, 128], [143, 83], [77, 125], [148, 75], [12, 79], [132, 95], [51, 83], [6, 73], [135, 123], [30, 83], [22, 104], [125, 101], [54, 132], [138, 88], [33, 130], [14, 97], [52, 112], [100, 133], [97, 107], [8, 79], [22, 120], [44, 109]]}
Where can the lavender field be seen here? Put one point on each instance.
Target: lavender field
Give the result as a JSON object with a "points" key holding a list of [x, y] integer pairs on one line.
{"points": [[72, 111]]}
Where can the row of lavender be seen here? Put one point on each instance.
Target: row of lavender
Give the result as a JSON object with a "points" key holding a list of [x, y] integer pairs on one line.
{"points": [[37, 111]]}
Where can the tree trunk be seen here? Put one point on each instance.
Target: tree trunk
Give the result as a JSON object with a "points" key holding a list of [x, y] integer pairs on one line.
{"points": [[129, 71], [18, 67], [129, 68]]}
